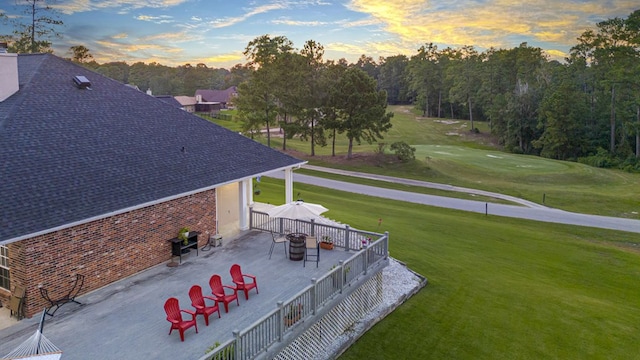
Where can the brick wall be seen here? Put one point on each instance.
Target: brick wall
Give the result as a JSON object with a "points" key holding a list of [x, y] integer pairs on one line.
{"points": [[107, 250]]}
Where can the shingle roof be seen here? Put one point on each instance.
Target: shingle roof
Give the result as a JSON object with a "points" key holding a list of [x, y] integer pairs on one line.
{"points": [[69, 154], [186, 100], [221, 96], [169, 100]]}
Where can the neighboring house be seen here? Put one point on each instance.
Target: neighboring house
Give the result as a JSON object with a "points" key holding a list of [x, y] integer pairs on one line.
{"points": [[188, 103], [97, 177], [212, 101]]}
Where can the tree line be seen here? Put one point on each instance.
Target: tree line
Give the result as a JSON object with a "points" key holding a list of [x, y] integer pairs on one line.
{"points": [[308, 97], [584, 109]]}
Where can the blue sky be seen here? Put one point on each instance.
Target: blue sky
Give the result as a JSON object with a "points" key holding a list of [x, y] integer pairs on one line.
{"points": [[214, 32]]}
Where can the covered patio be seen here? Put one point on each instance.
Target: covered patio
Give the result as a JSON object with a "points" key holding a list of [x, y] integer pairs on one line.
{"points": [[126, 320]]}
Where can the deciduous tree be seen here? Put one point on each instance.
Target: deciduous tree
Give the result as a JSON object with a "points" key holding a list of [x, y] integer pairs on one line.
{"points": [[425, 78], [612, 52], [393, 78], [561, 116], [463, 73], [260, 92], [313, 95], [361, 108], [330, 120], [80, 54]]}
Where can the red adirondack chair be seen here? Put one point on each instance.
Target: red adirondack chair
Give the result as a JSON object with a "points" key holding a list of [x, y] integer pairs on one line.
{"points": [[239, 279], [174, 316], [217, 289], [197, 301]]}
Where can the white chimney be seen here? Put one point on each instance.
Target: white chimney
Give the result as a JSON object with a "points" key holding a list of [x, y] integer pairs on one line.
{"points": [[8, 73]]}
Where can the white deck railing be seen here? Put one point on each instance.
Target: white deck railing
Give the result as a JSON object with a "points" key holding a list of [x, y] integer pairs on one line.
{"points": [[342, 236], [316, 298]]}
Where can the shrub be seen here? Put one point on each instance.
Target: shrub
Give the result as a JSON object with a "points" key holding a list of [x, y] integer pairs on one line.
{"points": [[601, 159], [381, 148], [226, 354], [403, 151], [631, 164]]}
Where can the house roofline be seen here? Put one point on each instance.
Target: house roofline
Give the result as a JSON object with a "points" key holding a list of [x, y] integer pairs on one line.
{"points": [[140, 206]]}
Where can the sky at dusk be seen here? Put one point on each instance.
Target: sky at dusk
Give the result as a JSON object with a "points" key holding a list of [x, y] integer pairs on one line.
{"points": [[214, 32]]}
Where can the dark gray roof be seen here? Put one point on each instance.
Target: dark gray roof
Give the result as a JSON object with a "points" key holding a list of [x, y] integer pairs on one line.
{"points": [[69, 154], [169, 100], [221, 96]]}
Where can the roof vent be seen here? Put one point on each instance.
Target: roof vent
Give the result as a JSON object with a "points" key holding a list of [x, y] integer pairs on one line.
{"points": [[81, 82]]}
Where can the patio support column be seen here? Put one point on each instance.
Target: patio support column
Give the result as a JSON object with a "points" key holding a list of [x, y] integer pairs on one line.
{"points": [[245, 186], [249, 190], [288, 185]]}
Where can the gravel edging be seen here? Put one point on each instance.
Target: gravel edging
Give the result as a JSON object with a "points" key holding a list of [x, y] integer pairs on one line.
{"points": [[399, 283]]}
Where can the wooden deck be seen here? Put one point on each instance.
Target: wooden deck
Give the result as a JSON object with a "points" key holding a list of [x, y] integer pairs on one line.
{"points": [[126, 320]]}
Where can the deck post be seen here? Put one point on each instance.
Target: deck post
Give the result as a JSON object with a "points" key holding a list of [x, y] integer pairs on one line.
{"points": [[386, 245], [313, 296], [236, 348], [346, 237], [366, 249], [313, 231], [280, 305], [342, 275]]}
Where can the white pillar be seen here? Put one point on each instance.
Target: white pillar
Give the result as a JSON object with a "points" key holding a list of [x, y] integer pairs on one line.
{"points": [[250, 193], [288, 185], [245, 186]]}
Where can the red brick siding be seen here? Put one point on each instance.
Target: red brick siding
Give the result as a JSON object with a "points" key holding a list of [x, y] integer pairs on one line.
{"points": [[107, 250]]}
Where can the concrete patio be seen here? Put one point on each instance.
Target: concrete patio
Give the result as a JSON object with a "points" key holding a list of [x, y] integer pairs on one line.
{"points": [[126, 319]]}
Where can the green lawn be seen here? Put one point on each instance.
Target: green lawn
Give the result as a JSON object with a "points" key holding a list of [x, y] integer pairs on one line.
{"points": [[230, 124], [499, 288]]}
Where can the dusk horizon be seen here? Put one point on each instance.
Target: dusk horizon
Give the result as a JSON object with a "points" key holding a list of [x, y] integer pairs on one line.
{"points": [[215, 33]]}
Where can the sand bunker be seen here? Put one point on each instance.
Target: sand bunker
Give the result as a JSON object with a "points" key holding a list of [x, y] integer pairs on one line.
{"points": [[447, 122]]}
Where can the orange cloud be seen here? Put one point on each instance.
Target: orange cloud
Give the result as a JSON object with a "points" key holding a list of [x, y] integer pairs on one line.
{"points": [[492, 23]]}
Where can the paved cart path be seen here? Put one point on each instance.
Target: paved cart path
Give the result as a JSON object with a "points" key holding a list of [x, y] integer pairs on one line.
{"points": [[526, 210]]}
